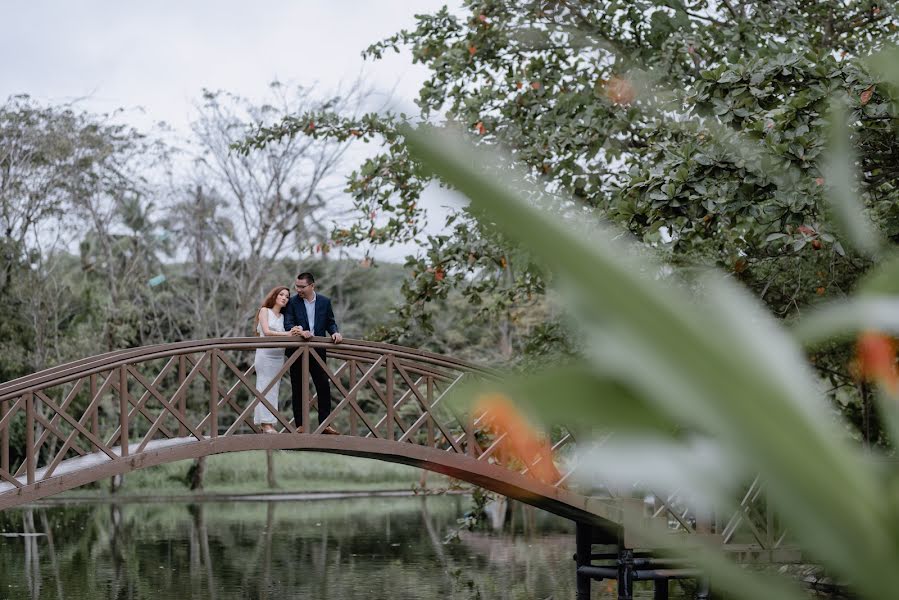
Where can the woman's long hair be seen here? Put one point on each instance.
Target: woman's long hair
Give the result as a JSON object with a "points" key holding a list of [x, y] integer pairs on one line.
{"points": [[268, 302]]}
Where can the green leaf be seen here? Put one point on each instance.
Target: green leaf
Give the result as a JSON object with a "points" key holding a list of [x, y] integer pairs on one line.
{"points": [[739, 582], [843, 188], [875, 307], [553, 396], [730, 368], [885, 64], [841, 321], [881, 280]]}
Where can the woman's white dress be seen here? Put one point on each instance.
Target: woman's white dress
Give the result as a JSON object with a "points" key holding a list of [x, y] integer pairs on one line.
{"points": [[268, 362]]}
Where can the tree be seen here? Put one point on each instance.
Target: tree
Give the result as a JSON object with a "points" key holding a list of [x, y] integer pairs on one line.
{"points": [[270, 202], [65, 174], [698, 126], [199, 219], [69, 179]]}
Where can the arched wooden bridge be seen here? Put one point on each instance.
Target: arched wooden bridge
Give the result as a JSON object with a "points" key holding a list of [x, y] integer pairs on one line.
{"points": [[62, 427], [114, 413]]}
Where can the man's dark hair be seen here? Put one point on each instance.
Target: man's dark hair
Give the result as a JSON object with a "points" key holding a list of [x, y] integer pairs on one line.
{"points": [[307, 276]]}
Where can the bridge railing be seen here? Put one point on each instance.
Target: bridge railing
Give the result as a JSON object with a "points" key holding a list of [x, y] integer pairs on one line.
{"points": [[121, 403]]}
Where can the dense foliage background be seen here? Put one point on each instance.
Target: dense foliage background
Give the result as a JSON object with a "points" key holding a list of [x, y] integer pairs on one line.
{"points": [[700, 127], [113, 238]]}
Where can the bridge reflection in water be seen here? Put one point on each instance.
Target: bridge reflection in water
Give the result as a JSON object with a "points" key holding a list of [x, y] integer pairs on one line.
{"points": [[319, 550], [111, 414]]}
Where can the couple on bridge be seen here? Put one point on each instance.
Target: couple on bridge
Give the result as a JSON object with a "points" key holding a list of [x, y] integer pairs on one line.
{"points": [[304, 315]]}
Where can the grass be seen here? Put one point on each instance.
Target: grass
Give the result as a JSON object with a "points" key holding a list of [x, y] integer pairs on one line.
{"points": [[245, 472], [162, 516]]}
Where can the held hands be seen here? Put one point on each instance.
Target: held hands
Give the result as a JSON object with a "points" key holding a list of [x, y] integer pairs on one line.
{"points": [[306, 334], [297, 330]]}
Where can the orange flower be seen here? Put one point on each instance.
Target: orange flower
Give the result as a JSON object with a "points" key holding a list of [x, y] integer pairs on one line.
{"points": [[877, 359], [620, 91], [525, 444]]}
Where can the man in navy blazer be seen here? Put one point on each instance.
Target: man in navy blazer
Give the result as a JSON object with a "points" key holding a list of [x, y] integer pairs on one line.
{"points": [[308, 314]]}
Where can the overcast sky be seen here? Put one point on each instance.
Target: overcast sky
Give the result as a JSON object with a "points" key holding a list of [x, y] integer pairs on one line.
{"points": [[159, 55], [154, 58]]}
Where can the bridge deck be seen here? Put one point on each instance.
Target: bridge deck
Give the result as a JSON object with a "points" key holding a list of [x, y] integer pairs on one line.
{"points": [[191, 399]]}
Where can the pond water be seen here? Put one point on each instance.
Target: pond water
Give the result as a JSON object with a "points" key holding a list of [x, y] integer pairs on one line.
{"points": [[313, 549]]}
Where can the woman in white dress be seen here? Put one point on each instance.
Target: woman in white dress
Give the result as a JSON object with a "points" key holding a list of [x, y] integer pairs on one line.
{"points": [[270, 322]]}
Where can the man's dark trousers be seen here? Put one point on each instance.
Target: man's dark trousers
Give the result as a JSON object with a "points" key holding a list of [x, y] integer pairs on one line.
{"points": [[319, 379], [325, 325]]}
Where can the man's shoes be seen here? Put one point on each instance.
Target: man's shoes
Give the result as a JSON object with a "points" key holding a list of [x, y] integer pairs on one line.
{"points": [[330, 431], [300, 429]]}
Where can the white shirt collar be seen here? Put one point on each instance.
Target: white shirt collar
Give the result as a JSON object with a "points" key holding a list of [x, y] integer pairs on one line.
{"points": [[310, 301]]}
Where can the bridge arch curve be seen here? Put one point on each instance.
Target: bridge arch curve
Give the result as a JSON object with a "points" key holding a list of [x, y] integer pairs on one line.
{"points": [[82, 471], [191, 399]]}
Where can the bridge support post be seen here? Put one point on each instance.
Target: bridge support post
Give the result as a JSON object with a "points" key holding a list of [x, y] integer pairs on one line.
{"points": [[123, 411], [625, 574], [182, 398], [305, 399], [29, 437], [95, 414], [389, 394], [213, 393], [660, 591], [584, 547], [4, 439], [352, 413]]}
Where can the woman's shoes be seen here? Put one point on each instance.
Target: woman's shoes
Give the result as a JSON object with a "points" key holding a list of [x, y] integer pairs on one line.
{"points": [[268, 428]]}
